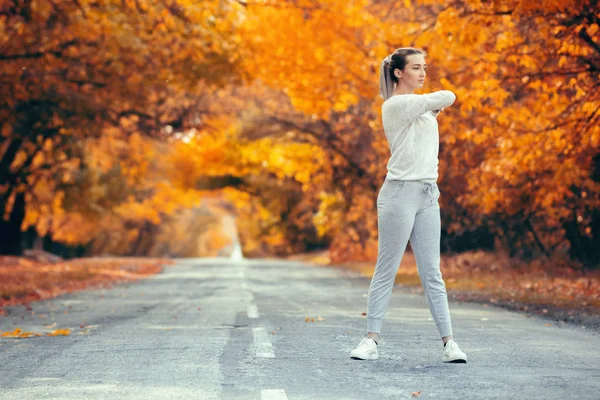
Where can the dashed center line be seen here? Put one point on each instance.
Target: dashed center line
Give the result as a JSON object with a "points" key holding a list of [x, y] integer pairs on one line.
{"points": [[273, 394], [262, 344], [252, 310]]}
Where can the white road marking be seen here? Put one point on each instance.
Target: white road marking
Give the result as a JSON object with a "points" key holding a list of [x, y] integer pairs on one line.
{"points": [[273, 394], [262, 344], [252, 311], [236, 254]]}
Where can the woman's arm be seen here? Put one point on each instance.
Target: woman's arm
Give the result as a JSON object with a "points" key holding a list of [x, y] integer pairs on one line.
{"points": [[414, 105]]}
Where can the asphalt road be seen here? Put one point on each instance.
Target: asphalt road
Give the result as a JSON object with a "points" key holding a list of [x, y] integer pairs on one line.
{"points": [[223, 329]]}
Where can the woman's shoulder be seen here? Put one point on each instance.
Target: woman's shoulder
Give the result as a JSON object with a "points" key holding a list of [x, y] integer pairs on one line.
{"points": [[399, 98]]}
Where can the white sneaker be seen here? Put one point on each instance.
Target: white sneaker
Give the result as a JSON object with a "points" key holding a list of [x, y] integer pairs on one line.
{"points": [[453, 354], [366, 350]]}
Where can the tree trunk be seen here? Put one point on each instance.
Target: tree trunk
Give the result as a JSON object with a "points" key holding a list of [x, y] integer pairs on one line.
{"points": [[586, 248], [10, 230]]}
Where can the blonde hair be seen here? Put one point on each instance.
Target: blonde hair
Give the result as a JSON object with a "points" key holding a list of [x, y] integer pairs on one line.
{"points": [[396, 60]]}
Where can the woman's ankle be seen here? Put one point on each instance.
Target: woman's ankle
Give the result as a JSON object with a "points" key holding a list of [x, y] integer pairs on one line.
{"points": [[374, 336]]}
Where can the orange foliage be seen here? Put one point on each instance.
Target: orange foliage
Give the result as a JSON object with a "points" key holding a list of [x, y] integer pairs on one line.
{"points": [[272, 105], [518, 149], [85, 85]]}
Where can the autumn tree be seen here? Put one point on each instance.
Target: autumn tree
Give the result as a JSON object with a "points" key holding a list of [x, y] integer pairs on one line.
{"points": [[74, 71], [527, 135], [298, 145], [520, 147]]}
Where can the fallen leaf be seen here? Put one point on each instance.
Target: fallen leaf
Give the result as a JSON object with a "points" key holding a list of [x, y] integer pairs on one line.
{"points": [[364, 314], [60, 332], [18, 333], [11, 334]]}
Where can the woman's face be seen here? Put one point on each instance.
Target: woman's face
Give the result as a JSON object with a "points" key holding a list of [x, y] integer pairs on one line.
{"points": [[414, 72]]}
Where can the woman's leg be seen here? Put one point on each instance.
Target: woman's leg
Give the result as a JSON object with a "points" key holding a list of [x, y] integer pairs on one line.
{"points": [[425, 242], [396, 209]]}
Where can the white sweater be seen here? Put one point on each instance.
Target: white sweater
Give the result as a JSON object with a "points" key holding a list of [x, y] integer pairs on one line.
{"points": [[411, 128]]}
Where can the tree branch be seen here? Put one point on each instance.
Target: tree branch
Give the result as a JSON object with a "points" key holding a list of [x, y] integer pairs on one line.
{"points": [[40, 54], [360, 172]]}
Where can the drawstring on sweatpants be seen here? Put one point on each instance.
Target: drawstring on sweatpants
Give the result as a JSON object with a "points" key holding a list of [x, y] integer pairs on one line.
{"points": [[428, 188]]}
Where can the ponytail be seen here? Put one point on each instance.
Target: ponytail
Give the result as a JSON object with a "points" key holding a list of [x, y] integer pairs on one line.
{"points": [[386, 85], [396, 60]]}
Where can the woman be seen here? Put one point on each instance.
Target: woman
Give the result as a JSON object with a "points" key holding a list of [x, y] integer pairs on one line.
{"points": [[407, 204]]}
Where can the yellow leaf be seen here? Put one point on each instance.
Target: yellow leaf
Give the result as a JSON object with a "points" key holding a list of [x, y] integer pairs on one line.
{"points": [[60, 332], [12, 334]]}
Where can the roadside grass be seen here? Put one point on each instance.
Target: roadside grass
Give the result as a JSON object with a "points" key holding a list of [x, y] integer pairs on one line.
{"points": [[24, 280]]}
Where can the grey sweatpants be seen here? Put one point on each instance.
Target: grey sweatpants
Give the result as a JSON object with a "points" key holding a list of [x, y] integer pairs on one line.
{"points": [[408, 210]]}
